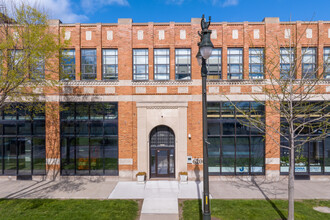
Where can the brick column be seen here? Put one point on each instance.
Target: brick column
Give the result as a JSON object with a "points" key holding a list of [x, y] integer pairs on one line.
{"points": [[172, 51], [320, 45], [52, 139], [150, 33], [245, 51], [98, 36], [77, 51], [224, 52], [124, 32], [272, 140]]}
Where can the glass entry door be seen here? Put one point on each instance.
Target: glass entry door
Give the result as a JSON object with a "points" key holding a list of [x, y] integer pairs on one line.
{"points": [[162, 162], [162, 148]]}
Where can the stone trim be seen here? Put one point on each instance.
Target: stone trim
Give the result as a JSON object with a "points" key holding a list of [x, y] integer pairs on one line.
{"points": [[272, 161], [125, 161]]}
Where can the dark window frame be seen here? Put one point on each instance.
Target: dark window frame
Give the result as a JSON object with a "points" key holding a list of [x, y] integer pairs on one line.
{"points": [[167, 56], [145, 74], [177, 65], [260, 65], [111, 76], [230, 73], [71, 63], [92, 75], [284, 72], [306, 72], [89, 121], [31, 119], [215, 75], [326, 62], [235, 136]]}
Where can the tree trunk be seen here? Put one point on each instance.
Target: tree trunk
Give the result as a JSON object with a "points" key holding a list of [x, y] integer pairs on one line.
{"points": [[291, 182]]}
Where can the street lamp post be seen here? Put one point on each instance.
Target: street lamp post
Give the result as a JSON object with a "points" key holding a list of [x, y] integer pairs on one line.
{"points": [[204, 52]]}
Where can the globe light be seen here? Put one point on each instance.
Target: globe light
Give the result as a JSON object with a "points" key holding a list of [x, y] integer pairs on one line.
{"points": [[206, 45], [206, 52]]}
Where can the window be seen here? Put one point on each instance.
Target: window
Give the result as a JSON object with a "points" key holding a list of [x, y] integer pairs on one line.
{"points": [[110, 64], [88, 64], [235, 63], [89, 139], [314, 156], [308, 63], [182, 64], [22, 140], [214, 65], [287, 63], [68, 64], [161, 64], [16, 62], [326, 60], [256, 63], [234, 148], [38, 68], [140, 64]]}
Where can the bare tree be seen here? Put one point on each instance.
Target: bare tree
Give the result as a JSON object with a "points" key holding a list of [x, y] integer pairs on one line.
{"points": [[291, 90]]}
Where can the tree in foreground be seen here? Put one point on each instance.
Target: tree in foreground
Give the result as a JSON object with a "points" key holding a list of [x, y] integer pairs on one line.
{"points": [[292, 91], [29, 64], [29, 53]]}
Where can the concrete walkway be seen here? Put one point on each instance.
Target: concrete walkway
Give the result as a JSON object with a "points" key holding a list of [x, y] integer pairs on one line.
{"points": [[160, 198]]}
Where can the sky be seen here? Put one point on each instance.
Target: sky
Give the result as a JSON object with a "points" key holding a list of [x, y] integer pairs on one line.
{"points": [[108, 11]]}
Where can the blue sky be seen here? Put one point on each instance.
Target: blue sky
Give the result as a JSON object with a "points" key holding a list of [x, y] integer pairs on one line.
{"points": [[108, 11]]}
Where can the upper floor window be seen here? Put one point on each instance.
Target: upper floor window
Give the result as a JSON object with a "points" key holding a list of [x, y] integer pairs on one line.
{"points": [[235, 63], [287, 63], [88, 64], [140, 64], [214, 65], [110, 64], [308, 63], [38, 68], [16, 62], [183, 64], [68, 64], [256, 63], [326, 60], [161, 64]]}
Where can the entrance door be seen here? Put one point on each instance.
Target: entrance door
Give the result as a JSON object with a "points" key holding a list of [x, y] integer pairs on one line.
{"points": [[162, 152]]}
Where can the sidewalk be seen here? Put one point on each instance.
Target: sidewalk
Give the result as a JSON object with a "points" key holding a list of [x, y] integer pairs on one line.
{"points": [[160, 197]]}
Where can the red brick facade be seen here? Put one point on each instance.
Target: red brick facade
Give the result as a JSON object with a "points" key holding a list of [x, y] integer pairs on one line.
{"points": [[125, 39]]}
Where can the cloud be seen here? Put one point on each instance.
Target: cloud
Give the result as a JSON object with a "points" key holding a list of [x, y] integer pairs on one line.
{"points": [[57, 9], [91, 6], [225, 3], [174, 2]]}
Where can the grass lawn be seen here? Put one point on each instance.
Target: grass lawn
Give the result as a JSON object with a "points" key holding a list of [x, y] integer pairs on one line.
{"points": [[254, 209], [68, 209]]}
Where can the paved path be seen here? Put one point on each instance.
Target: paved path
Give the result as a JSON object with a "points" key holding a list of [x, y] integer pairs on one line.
{"points": [[160, 198]]}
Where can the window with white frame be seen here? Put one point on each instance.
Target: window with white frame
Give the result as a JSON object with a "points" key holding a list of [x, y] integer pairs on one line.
{"points": [[140, 64], [214, 65], [161, 64], [308, 63], [88, 64], [287, 60], [326, 62], [235, 63], [110, 64], [256, 63], [182, 64]]}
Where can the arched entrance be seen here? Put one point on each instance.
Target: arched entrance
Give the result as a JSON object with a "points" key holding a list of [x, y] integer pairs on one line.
{"points": [[162, 152]]}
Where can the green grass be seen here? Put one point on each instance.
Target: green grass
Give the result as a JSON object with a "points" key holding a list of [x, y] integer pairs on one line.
{"points": [[67, 209], [255, 209]]}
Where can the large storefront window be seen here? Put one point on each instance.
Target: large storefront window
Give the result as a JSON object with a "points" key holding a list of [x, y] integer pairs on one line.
{"points": [[312, 157], [22, 140], [89, 139], [236, 148]]}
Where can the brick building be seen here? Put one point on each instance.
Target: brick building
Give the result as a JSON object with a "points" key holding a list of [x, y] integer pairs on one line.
{"points": [[131, 101]]}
